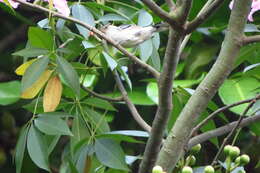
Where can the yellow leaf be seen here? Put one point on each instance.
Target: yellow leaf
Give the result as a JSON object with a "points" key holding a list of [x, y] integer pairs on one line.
{"points": [[22, 68], [32, 91], [52, 94]]}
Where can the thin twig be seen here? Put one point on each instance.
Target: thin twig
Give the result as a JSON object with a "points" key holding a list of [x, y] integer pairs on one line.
{"points": [[212, 115], [187, 37], [191, 26], [110, 99], [221, 130], [251, 39], [233, 130], [162, 14], [171, 5], [130, 105], [149, 68]]}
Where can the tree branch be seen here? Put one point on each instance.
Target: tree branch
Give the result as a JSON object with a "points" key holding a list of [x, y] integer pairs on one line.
{"points": [[251, 39], [162, 14], [171, 5], [110, 99], [130, 105], [212, 115], [149, 68], [233, 131], [179, 134], [165, 102], [221, 130], [183, 9], [187, 37], [203, 16]]}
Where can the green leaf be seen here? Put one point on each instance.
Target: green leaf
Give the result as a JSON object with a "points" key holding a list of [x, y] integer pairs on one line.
{"points": [[155, 59], [9, 92], [20, 148], [152, 91], [69, 74], [40, 38], [112, 17], [52, 125], [37, 148], [106, 8], [98, 121], [99, 103], [146, 50], [33, 72], [200, 55], [79, 130], [31, 52], [110, 154], [125, 76], [118, 137], [234, 90], [138, 96], [51, 142], [135, 133], [144, 18], [110, 61], [247, 52], [82, 13], [55, 114]]}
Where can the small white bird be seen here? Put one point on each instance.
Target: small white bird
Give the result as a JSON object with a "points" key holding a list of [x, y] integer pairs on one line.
{"points": [[132, 35]]}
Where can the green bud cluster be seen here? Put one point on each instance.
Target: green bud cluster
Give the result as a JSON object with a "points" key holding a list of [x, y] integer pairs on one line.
{"points": [[231, 151]]}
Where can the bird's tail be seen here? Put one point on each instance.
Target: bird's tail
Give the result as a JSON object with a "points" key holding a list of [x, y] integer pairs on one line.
{"points": [[161, 27]]}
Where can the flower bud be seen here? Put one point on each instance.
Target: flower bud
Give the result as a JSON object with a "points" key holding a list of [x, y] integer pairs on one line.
{"points": [[186, 169], [191, 159], [244, 159], [227, 149], [209, 169], [234, 152], [196, 148], [157, 169]]}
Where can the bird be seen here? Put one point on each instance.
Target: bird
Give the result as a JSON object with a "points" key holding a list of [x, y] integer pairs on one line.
{"points": [[131, 35]]}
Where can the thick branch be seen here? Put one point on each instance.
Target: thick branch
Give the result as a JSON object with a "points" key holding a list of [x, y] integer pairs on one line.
{"points": [[130, 105], [203, 16], [179, 134], [165, 101], [251, 39], [110, 99], [98, 33], [162, 14], [221, 130], [212, 115]]}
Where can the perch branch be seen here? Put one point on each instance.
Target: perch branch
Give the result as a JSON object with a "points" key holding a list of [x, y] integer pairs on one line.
{"points": [[149, 68]]}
